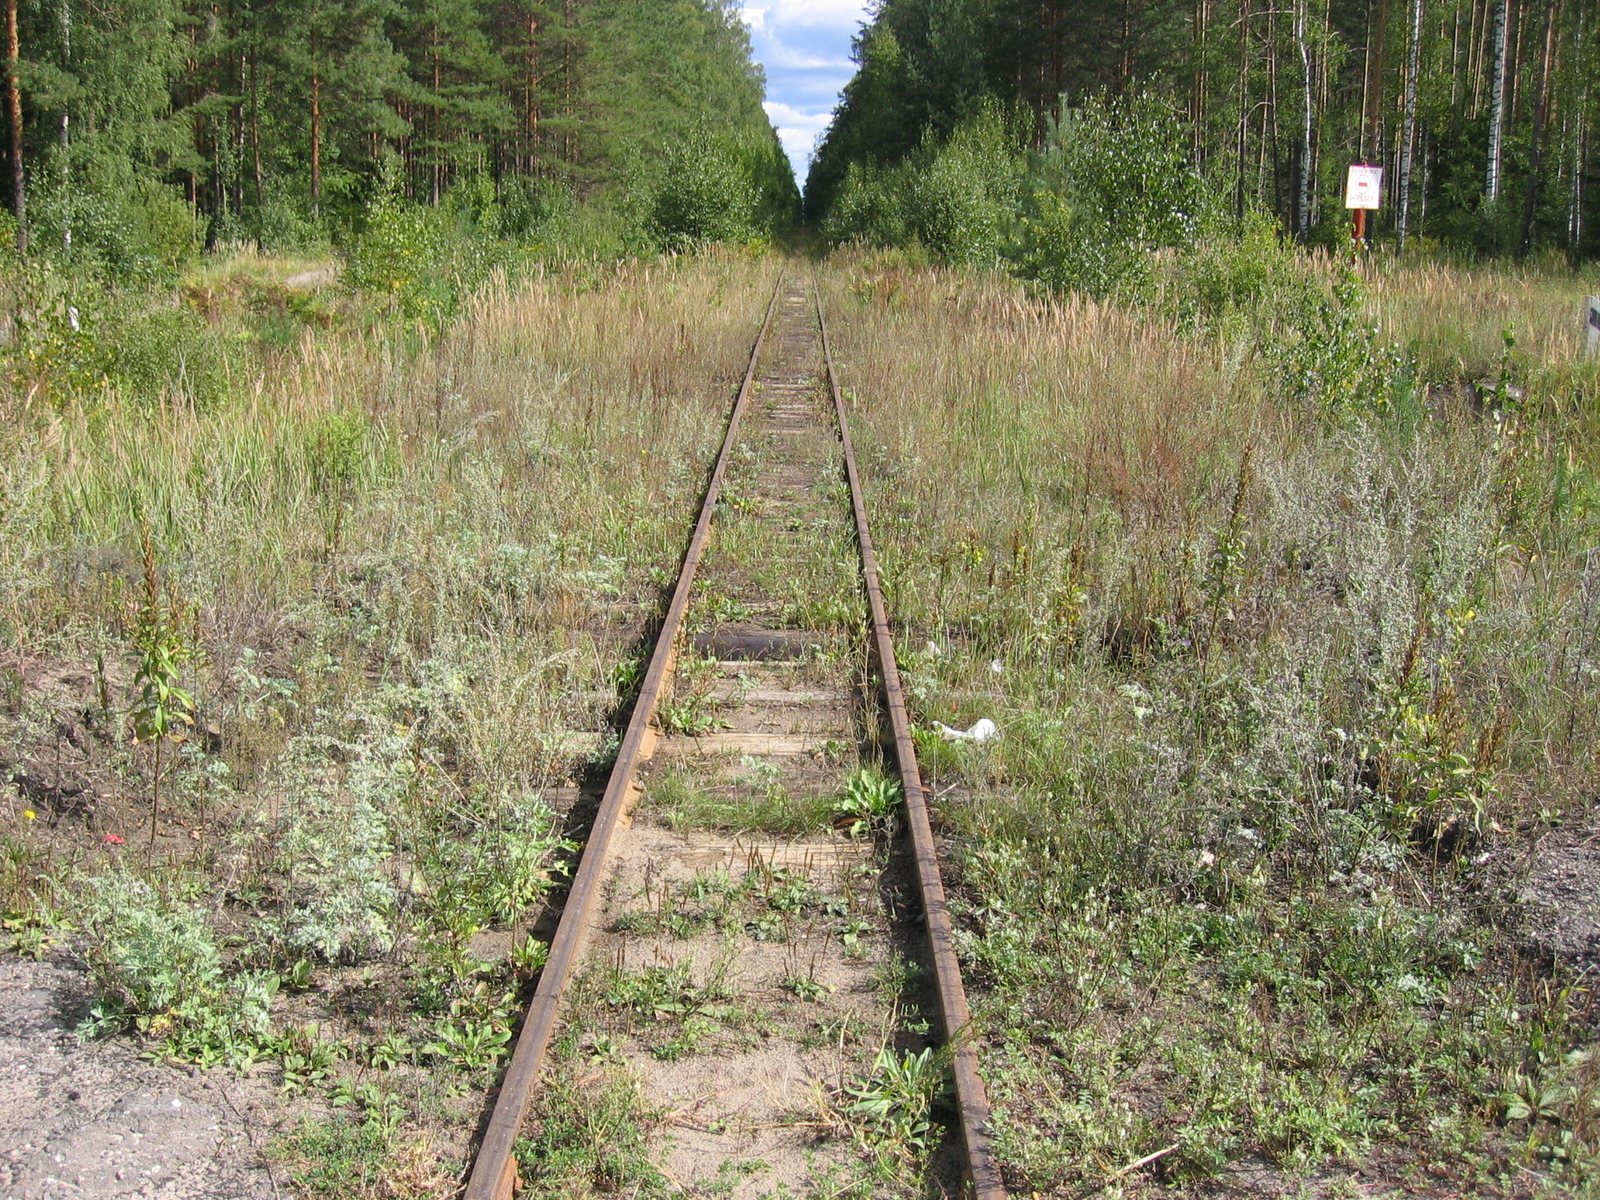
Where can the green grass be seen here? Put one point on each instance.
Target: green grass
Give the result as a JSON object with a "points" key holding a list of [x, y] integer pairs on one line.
{"points": [[1288, 644], [1272, 678], [394, 568], [358, 1161], [757, 804], [590, 1133]]}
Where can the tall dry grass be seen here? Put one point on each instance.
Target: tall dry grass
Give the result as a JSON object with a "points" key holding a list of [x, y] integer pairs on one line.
{"points": [[401, 571], [1454, 318], [482, 515], [1287, 704]]}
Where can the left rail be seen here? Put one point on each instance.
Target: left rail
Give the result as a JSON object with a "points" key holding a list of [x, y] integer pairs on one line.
{"points": [[495, 1169]]}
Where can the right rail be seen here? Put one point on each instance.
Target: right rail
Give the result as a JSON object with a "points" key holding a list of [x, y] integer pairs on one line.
{"points": [[972, 1099]]}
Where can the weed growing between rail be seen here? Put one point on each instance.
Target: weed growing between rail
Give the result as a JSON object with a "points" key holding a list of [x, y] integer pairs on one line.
{"points": [[395, 584], [746, 980], [1290, 681]]}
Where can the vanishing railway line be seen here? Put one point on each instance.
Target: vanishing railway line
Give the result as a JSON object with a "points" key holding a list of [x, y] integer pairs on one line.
{"points": [[800, 412]]}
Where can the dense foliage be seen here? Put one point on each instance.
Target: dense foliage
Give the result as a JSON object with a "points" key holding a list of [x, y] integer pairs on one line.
{"points": [[150, 128], [1482, 111]]}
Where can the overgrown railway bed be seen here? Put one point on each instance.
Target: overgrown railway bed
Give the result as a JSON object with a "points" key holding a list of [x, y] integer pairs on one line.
{"points": [[738, 972]]}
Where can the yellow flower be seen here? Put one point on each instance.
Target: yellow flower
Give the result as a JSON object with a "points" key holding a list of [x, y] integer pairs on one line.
{"points": [[28, 814]]}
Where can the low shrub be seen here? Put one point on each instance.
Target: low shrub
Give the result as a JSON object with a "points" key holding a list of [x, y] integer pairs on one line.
{"points": [[1110, 188], [705, 195], [155, 965], [957, 198], [131, 231]]}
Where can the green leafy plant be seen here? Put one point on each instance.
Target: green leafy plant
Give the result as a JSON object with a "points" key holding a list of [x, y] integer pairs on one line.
{"points": [[691, 716], [529, 955], [851, 932], [869, 804], [379, 1108], [307, 1058], [162, 711], [469, 1041], [896, 1102], [805, 987], [390, 1051], [34, 932], [155, 966]]}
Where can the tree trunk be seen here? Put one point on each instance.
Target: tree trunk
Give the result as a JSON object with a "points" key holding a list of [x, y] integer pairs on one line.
{"points": [[1307, 172], [531, 90], [1409, 136], [316, 145], [1244, 107], [1541, 101], [1575, 211], [255, 138], [1197, 100], [434, 122], [1497, 104], [1373, 117], [19, 201]]}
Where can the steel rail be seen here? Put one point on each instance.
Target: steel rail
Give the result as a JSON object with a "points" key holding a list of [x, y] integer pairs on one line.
{"points": [[495, 1169], [972, 1100]]}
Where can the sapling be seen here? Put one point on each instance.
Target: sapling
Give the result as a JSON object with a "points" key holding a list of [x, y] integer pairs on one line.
{"points": [[163, 710]]}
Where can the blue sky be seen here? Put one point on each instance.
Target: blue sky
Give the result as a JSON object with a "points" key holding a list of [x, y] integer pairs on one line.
{"points": [[805, 47]]}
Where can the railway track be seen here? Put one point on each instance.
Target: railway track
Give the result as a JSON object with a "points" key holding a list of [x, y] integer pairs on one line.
{"points": [[749, 697]]}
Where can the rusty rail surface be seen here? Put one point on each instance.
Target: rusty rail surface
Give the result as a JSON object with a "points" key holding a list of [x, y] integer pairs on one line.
{"points": [[972, 1100], [495, 1170]]}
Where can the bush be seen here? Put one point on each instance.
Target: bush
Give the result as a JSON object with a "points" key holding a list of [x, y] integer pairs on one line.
{"points": [[1111, 186], [136, 231], [403, 254], [870, 208], [1247, 283], [423, 259], [963, 196], [338, 902], [527, 205], [75, 335], [283, 222], [957, 199], [705, 196], [154, 964], [159, 352]]}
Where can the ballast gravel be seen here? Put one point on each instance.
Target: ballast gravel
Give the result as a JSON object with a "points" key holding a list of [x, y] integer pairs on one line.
{"points": [[93, 1119]]}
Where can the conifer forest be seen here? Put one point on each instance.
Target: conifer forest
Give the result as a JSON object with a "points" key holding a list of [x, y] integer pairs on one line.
{"points": [[276, 122], [1482, 113]]}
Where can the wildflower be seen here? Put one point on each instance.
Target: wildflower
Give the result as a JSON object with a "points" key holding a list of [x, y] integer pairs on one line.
{"points": [[112, 839], [29, 815]]}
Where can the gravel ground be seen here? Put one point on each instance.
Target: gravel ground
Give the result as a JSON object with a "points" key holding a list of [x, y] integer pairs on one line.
{"points": [[1561, 897], [93, 1119]]}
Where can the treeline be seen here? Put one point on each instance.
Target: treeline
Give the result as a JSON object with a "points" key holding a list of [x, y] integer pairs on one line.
{"points": [[147, 123], [1482, 111]]}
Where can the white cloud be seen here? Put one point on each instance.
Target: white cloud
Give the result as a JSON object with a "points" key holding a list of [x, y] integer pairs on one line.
{"points": [[827, 14], [804, 47], [778, 57], [785, 117]]}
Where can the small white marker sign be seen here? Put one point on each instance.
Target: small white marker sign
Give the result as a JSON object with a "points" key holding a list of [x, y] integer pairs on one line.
{"points": [[1363, 187]]}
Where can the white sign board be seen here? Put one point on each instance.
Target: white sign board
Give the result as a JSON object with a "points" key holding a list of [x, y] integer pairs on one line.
{"points": [[1363, 187], [1591, 325]]}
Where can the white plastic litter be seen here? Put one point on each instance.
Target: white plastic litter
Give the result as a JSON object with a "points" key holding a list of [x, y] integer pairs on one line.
{"points": [[997, 666], [983, 731]]}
